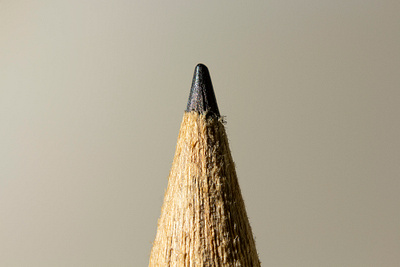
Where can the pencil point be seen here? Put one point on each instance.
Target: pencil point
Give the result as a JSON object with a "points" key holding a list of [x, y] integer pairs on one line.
{"points": [[202, 98], [203, 219]]}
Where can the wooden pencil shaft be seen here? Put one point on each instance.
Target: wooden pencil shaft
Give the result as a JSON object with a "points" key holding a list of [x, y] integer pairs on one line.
{"points": [[203, 219]]}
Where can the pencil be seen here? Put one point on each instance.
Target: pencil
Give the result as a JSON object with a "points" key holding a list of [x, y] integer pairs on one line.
{"points": [[203, 218]]}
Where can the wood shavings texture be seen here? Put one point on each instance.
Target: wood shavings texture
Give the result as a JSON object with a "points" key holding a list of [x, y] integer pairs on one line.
{"points": [[203, 219]]}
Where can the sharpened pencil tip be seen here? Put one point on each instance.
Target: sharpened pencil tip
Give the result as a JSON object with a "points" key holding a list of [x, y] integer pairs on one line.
{"points": [[202, 98]]}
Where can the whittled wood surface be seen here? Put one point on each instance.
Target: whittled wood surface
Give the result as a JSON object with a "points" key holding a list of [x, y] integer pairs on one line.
{"points": [[203, 219]]}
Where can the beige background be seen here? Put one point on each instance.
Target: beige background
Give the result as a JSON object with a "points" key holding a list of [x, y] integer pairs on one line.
{"points": [[92, 94]]}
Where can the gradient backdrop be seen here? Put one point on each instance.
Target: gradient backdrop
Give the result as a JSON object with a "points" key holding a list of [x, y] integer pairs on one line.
{"points": [[92, 95]]}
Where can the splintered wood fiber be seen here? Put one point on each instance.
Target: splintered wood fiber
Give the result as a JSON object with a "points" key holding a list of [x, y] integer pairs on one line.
{"points": [[203, 219]]}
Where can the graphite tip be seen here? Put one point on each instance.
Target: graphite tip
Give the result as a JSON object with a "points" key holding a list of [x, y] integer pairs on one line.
{"points": [[202, 98]]}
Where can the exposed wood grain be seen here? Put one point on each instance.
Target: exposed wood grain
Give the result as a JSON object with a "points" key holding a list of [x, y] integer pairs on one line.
{"points": [[203, 219]]}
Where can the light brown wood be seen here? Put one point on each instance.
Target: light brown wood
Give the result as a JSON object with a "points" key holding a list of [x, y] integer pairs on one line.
{"points": [[203, 219]]}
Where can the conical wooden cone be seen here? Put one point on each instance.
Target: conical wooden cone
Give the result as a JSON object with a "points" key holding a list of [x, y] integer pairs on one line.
{"points": [[203, 219]]}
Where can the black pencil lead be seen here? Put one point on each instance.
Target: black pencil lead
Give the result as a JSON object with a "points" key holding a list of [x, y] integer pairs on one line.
{"points": [[202, 98]]}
